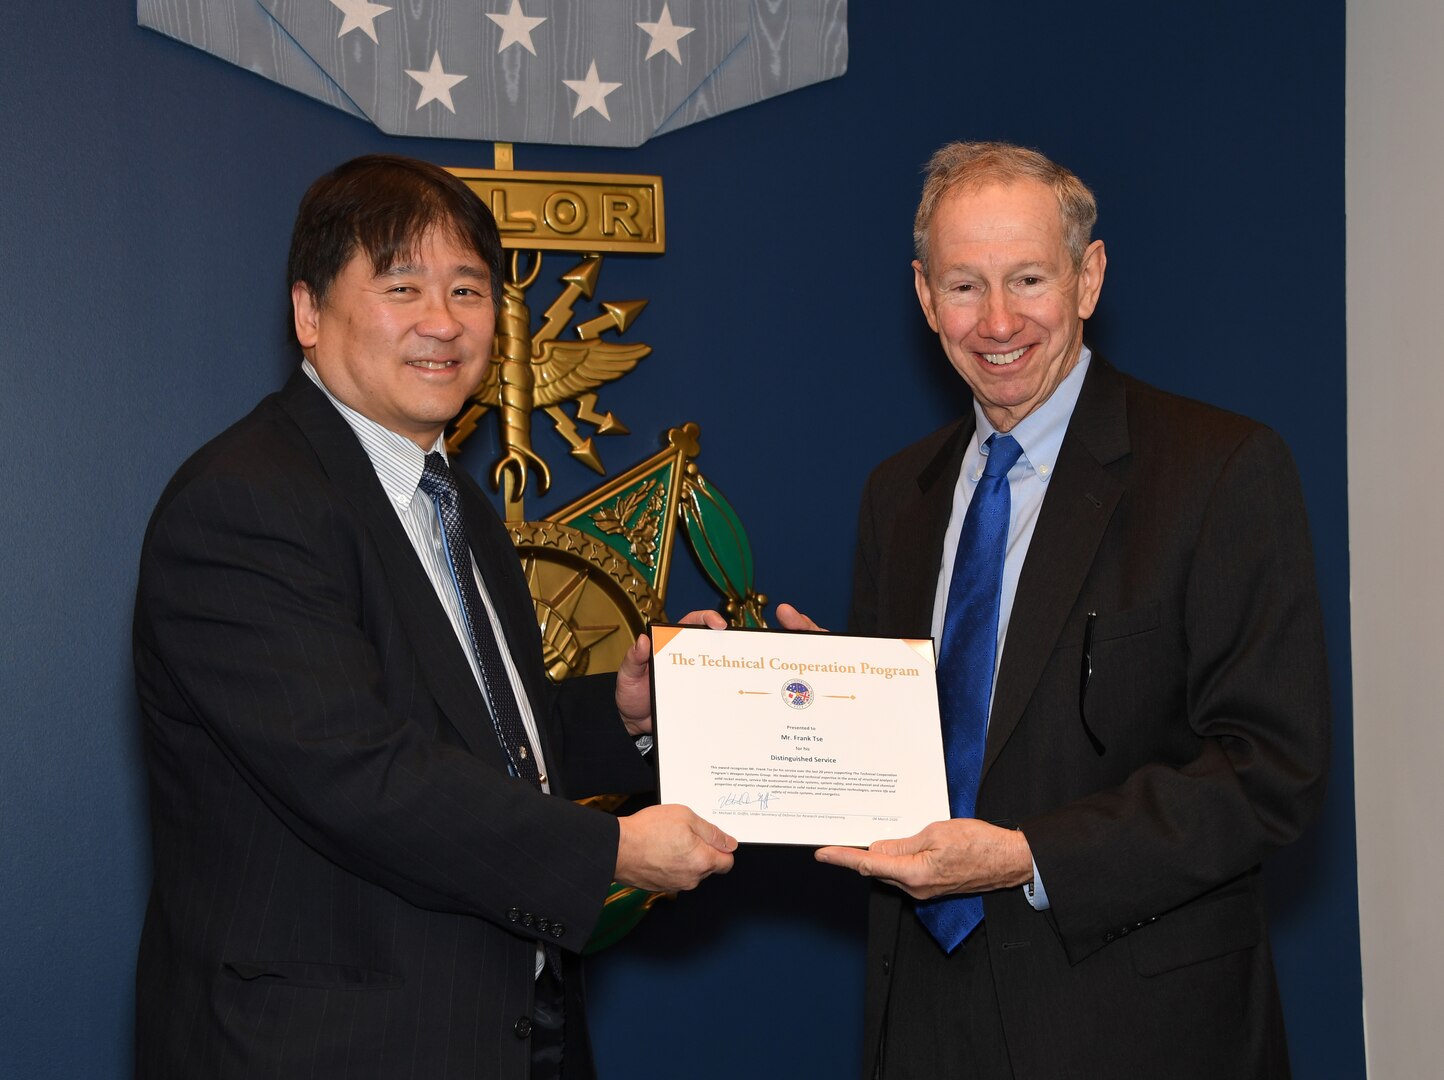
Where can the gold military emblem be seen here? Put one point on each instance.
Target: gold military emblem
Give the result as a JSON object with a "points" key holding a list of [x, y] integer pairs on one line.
{"points": [[598, 567], [536, 371]]}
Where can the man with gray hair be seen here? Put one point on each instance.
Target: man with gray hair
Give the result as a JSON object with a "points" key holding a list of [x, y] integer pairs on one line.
{"points": [[1131, 675]]}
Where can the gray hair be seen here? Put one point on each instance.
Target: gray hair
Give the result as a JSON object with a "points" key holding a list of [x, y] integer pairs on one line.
{"points": [[967, 166]]}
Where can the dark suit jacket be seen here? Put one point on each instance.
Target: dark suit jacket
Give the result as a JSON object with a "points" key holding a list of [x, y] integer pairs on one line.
{"points": [[1183, 527], [347, 882]]}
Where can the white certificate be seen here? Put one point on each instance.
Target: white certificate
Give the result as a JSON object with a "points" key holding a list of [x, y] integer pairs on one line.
{"points": [[796, 738]]}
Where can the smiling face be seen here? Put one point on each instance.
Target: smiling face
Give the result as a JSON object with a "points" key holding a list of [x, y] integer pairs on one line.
{"points": [[406, 346], [1003, 295]]}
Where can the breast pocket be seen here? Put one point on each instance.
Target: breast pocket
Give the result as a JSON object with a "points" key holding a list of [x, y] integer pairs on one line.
{"points": [[1115, 625], [1130, 674]]}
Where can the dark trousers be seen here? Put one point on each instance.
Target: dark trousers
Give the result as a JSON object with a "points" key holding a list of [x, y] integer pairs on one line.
{"points": [[942, 1018], [548, 1024]]}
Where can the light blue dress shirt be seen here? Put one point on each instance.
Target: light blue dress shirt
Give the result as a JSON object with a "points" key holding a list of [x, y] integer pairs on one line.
{"points": [[1040, 434]]}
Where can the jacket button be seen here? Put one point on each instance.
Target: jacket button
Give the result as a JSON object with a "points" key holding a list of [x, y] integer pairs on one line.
{"points": [[558, 929], [527, 919], [513, 914], [1108, 936], [542, 926], [886, 966], [522, 1027]]}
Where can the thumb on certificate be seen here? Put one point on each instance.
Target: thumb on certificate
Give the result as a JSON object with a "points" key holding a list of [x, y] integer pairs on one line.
{"points": [[713, 835], [634, 688], [712, 620], [639, 655], [906, 845], [865, 861], [792, 619], [847, 857]]}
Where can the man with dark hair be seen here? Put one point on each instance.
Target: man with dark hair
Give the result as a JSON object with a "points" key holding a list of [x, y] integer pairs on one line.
{"points": [[363, 867], [1131, 677]]}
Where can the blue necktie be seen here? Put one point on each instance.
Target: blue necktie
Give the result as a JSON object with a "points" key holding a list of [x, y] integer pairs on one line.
{"points": [[965, 665], [437, 481]]}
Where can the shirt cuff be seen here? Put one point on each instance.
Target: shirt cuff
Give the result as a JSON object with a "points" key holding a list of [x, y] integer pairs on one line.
{"points": [[1034, 891]]}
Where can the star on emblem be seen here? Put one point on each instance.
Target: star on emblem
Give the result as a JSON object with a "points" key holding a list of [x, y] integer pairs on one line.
{"points": [[516, 27], [360, 15], [665, 35], [591, 92], [435, 84]]}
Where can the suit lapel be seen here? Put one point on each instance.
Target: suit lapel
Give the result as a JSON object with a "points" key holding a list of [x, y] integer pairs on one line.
{"points": [[1081, 499], [925, 515], [438, 652]]}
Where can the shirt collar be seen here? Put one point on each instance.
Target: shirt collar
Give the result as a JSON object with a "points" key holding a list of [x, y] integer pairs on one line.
{"points": [[398, 461], [1041, 432]]}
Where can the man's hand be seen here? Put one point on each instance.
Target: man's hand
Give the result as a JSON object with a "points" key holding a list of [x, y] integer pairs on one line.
{"points": [[634, 686], [792, 619], [668, 848], [962, 855]]}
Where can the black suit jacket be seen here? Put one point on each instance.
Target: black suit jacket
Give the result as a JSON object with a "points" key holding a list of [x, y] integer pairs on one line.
{"points": [[1183, 528], [347, 881]]}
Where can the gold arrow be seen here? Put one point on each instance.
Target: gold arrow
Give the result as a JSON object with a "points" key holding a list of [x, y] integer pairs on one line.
{"points": [[581, 281], [616, 316], [606, 424], [582, 449]]}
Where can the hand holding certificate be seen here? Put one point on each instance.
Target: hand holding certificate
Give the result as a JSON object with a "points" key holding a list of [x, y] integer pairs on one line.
{"points": [[787, 738]]}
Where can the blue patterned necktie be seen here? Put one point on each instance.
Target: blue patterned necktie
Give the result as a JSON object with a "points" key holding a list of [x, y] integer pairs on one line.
{"points": [[965, 665], [437, 482]]}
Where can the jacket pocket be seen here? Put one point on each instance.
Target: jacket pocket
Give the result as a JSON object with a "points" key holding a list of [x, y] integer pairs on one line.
{"points": [[1204, 930], [1112, 625], [301, 973]]}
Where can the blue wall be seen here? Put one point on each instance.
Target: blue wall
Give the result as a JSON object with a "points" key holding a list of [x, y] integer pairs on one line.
{"points": [[147, 198]]}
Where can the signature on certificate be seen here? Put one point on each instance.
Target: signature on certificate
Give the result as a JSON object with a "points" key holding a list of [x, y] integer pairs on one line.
{"points": [[744, 797]]}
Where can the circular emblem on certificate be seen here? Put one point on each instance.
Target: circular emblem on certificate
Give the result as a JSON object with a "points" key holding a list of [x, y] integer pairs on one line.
{"points": [[797, 693]]}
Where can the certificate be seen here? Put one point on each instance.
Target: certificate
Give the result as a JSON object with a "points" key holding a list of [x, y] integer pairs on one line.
{"points": [[799, 738]]}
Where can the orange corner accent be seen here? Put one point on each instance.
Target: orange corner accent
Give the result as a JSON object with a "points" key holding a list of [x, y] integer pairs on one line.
{"points": [[924, 648], [662, 636]]}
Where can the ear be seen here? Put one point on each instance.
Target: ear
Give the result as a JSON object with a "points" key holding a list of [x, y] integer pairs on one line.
{"points": [[1090, 278], [307, 315], [925, 294]]}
